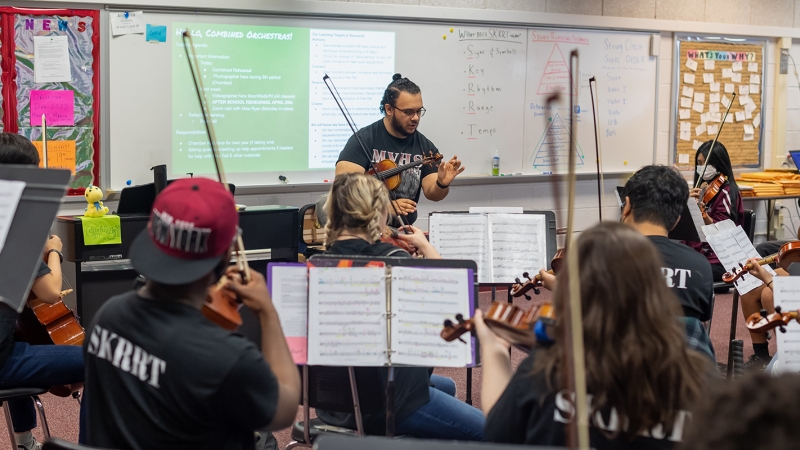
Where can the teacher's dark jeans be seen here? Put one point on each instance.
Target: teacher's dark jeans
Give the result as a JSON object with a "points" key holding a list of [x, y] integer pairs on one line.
{"points": [[38, 366]]}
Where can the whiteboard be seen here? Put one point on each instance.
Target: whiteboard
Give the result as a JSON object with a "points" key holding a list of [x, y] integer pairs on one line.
{"points": [[478, 85], [626, 87]]}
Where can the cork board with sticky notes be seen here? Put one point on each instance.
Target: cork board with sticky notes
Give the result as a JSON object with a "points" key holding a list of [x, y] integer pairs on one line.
{"points": [[708, 76]]}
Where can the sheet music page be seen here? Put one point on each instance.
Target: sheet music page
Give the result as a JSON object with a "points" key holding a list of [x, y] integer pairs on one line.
{"points": [[697, 218], [10, 193], [421, 300], [289, 288], [733, 247], [462, 236], [787, 296], [347, 316], [517, 244]]}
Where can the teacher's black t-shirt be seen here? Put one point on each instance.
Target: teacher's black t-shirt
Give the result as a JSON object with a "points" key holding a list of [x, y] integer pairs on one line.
{"points": [[383, 145]]}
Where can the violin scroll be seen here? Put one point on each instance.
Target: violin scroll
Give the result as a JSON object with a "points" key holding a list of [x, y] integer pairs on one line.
{"points": [[762, 322]]}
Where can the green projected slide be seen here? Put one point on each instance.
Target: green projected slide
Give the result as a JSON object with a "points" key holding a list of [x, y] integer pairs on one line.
{"points": [[270, 108]]}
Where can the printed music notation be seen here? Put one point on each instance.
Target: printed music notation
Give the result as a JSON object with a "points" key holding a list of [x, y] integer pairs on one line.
{"points": [[289, 295], [354, 292], [422, 315], [787, 296], [733, 247], [502, 245]]}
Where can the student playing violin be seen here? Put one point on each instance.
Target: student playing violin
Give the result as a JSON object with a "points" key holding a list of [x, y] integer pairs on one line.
{"points": [[641, 377], [425, 404], [726, 204], [23, 365]]}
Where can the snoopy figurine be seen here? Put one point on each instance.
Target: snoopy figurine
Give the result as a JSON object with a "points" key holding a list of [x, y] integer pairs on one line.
{"points": [[94, 197]]}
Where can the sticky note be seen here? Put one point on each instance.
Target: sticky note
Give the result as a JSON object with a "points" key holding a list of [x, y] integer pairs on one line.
{"points": [[736, 78], [748, 137], [101, 230], [715, 117], [687, 91], [695, 145], [749, 108], [684, 114], [729, 88], [58, 107], [683, 158], [727, 73], [688, 78], [755, 79], [725, 101], [754, 89], [704, 118], [752, 67], [736, 66], [686, 102], [729, 118], [714, 87], [700, 129], [685, 126], [60, 154], [692, 64], [708, 64], [713, 108], [700, 97], [698, 107], [744, 99], [156, 33], [708, 78], [713, 130], [748, 129], [744, 89], [748, 114], [757, 120], [740, 116], [713, 98], [686, 135]]}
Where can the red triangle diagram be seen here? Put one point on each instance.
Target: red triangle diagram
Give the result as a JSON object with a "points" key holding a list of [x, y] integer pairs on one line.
{"points": [[556, 74], [552, 150]]}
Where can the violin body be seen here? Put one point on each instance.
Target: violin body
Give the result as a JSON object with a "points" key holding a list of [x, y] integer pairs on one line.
{"points": [[222, 307], [788, 254], [711, 191], [520, 288], [391, 174], [511, 323]]}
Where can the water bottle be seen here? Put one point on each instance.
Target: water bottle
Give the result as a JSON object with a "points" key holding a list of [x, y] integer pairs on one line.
{"points": [[496, 164]]}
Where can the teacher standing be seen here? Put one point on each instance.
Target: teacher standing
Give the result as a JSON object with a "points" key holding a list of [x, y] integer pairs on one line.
{"points": [[395, 137]]}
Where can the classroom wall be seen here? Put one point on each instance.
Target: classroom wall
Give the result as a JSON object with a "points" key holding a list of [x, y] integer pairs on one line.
{"points": [[540, 194]]}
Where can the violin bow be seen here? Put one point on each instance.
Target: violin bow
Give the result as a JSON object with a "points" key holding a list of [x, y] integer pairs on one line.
{"points": [[191, 58], [725, 117], [595, 122], [352, 124], [575, 372]]}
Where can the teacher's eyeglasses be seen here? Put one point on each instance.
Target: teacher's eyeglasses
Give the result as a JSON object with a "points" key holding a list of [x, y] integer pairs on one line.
{"points": [[413, 112]]}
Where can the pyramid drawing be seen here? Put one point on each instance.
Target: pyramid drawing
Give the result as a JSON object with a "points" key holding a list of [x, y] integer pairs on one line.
{"points": [[556, 75], [553, 148]]}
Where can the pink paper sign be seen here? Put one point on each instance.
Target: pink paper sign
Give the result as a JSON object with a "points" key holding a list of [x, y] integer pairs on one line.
{"points": [[57, 106]]}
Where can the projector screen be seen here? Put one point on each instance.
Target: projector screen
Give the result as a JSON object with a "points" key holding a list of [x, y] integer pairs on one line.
{"points": [[269, 105]]}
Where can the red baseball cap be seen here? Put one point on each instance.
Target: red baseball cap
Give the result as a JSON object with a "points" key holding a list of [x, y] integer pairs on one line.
{"points": [[192, 226]]}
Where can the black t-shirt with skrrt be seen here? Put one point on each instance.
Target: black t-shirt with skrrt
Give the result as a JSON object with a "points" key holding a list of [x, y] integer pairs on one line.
{"points": [[8, 320], [159, 375], [688, 274], [383, 145], [410, 383], [528, 413]]}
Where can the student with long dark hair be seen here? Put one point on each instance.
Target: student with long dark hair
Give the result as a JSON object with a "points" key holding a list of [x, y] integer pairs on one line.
{"points": [[727, 204], [640, 374]]}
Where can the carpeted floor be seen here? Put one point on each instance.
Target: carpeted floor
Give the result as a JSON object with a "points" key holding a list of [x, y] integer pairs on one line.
{"points": [[62, 413]]}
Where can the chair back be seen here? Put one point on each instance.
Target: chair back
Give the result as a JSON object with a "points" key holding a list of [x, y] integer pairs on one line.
{"points": [[749, 223], [60, 444]]}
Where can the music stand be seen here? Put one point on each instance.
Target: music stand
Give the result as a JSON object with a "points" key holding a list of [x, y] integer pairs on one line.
{"points": [[30, 229], [333, 442]]}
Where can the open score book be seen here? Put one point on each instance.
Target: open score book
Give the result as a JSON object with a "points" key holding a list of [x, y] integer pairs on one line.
{"points": [[371, 316]]}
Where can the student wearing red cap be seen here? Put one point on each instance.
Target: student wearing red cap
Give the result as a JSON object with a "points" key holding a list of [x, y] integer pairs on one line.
{"points": [[158, 373]]}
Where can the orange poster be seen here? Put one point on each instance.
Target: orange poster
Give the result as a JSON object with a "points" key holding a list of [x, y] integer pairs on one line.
{"points": [[60, 155]]}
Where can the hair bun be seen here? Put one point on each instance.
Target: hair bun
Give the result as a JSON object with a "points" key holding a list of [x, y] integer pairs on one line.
{"points": [[396, 77]]}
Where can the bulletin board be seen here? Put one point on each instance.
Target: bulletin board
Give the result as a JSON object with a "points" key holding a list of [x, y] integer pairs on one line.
{"points": [[708, 71], [73, 144]]}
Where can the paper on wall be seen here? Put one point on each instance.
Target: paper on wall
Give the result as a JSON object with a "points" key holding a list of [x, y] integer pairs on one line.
{"points": [[688, 78], [755, 79], [130, 22], [700, 97], [51, 59], [744, 89], [685, 126], [708, 64], [684, 114], [687, 91], [743, 100], [704, 118], [725, 101], [752, 67], [757, 120], [713, 108], [727, 73], [683, 158], [698, 107], [737, 66], [729, 118], [686, 135], [700, 130], [686, 102], [729, 88], [692, 64], [713, 130], [754, 89], [739, 116], [736, 78], [695, 146], [714, 87]]}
